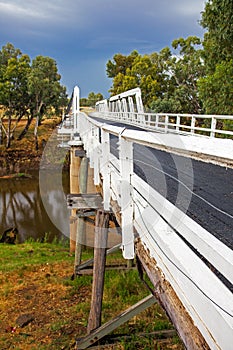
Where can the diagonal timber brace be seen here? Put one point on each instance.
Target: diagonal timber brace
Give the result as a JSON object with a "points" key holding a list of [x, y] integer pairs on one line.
{"points": [[116, 322]]}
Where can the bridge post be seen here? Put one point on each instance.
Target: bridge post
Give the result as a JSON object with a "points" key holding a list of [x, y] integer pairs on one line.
{"points": [[81, 225], [126, 169], [74, 188], [193, 122], [131, 108], [213, 127], [100, 249], [96, 156], [105, 168], [75, 108], [178, 122]]}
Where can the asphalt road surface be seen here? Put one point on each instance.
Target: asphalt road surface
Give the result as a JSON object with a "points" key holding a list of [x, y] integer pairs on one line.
{"points": [[202, 190]]}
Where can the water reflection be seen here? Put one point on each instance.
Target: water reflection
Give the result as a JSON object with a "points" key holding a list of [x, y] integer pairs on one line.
{"points": [[21, 206]]}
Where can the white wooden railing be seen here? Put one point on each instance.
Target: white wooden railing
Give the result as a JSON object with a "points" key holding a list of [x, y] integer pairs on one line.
{"points": [[161, 226], [127, 108]]}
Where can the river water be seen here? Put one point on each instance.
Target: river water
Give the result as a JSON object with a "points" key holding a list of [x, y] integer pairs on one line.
{"points": [[36, 212]]}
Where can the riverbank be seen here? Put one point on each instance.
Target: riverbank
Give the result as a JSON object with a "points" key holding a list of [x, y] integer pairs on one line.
{"points": [[41, 308], [22, 154]]}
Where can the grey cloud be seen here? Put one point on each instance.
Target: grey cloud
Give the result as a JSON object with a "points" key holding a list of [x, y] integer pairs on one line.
{"points": [[78, 29]]}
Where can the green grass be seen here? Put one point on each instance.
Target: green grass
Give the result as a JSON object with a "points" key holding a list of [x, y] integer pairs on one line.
{"points": [[32, 253], [15, 257], [122, 289]]}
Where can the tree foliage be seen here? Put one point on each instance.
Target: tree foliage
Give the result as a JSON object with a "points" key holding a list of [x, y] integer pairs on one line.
{"points": [[185, 67], [193, 76], [91, 100], [217, 19], [216, 88], [28, 89], [120, 64], [167, 80], [13, 87], [134, 70]]}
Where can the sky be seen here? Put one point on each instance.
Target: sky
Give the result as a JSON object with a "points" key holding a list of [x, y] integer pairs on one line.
{"points": [[82, 35]]}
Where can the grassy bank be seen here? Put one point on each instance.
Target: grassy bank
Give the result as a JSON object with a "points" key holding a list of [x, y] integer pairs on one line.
{"points": [[35, 279]]}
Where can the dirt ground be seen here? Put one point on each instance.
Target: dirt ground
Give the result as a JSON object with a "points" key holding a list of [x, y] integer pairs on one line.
{"points": [[42, 295], [22, 154], [40, 309]]}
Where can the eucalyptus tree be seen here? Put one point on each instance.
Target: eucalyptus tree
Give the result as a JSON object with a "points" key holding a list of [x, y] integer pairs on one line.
{"points": [[27, 89], [120, 63], [168, 80], [93, 98], [13, 88], [217, 20], [140, 72], [44, 89], [184, 67], [215, 88]]}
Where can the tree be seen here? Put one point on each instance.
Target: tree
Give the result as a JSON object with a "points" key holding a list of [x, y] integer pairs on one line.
{"points": [[91, 100], [140, 72], [120, 64], [166, 80], [217, 19], [27, 89], [44, 89], [13, 87], [215, 89], [8, 51], [181, 72]]}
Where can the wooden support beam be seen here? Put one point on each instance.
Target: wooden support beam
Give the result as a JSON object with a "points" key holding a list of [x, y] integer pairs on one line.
{"points": [[89, 271], [74, 188], [100, 249], [80, 153], [89, 262], [81, 226], [115, 323], [84, 201]]}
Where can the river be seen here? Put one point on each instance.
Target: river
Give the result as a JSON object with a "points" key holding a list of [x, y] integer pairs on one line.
{"points": [[23, 204]]}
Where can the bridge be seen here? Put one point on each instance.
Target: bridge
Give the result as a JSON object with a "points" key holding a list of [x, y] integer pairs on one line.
{"points": [[168, 179]]}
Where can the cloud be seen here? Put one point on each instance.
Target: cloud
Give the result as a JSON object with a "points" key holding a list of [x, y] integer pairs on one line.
{"points": [[25, 10], [78, 30]]}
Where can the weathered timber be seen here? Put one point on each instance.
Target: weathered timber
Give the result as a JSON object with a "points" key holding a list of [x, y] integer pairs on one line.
{"points": [[110, 326], [188, 332], [100, 249], [84, 201], [74, 188], [89, 262], [81, 226], [80, 153], [108, 267]]}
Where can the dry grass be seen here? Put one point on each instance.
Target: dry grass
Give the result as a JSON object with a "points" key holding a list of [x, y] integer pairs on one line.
{"points": [[36, 280]]}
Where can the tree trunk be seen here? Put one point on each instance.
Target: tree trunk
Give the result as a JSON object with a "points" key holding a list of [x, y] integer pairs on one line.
{"points": [[25, 130], [36, 133], [8, 134]]}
